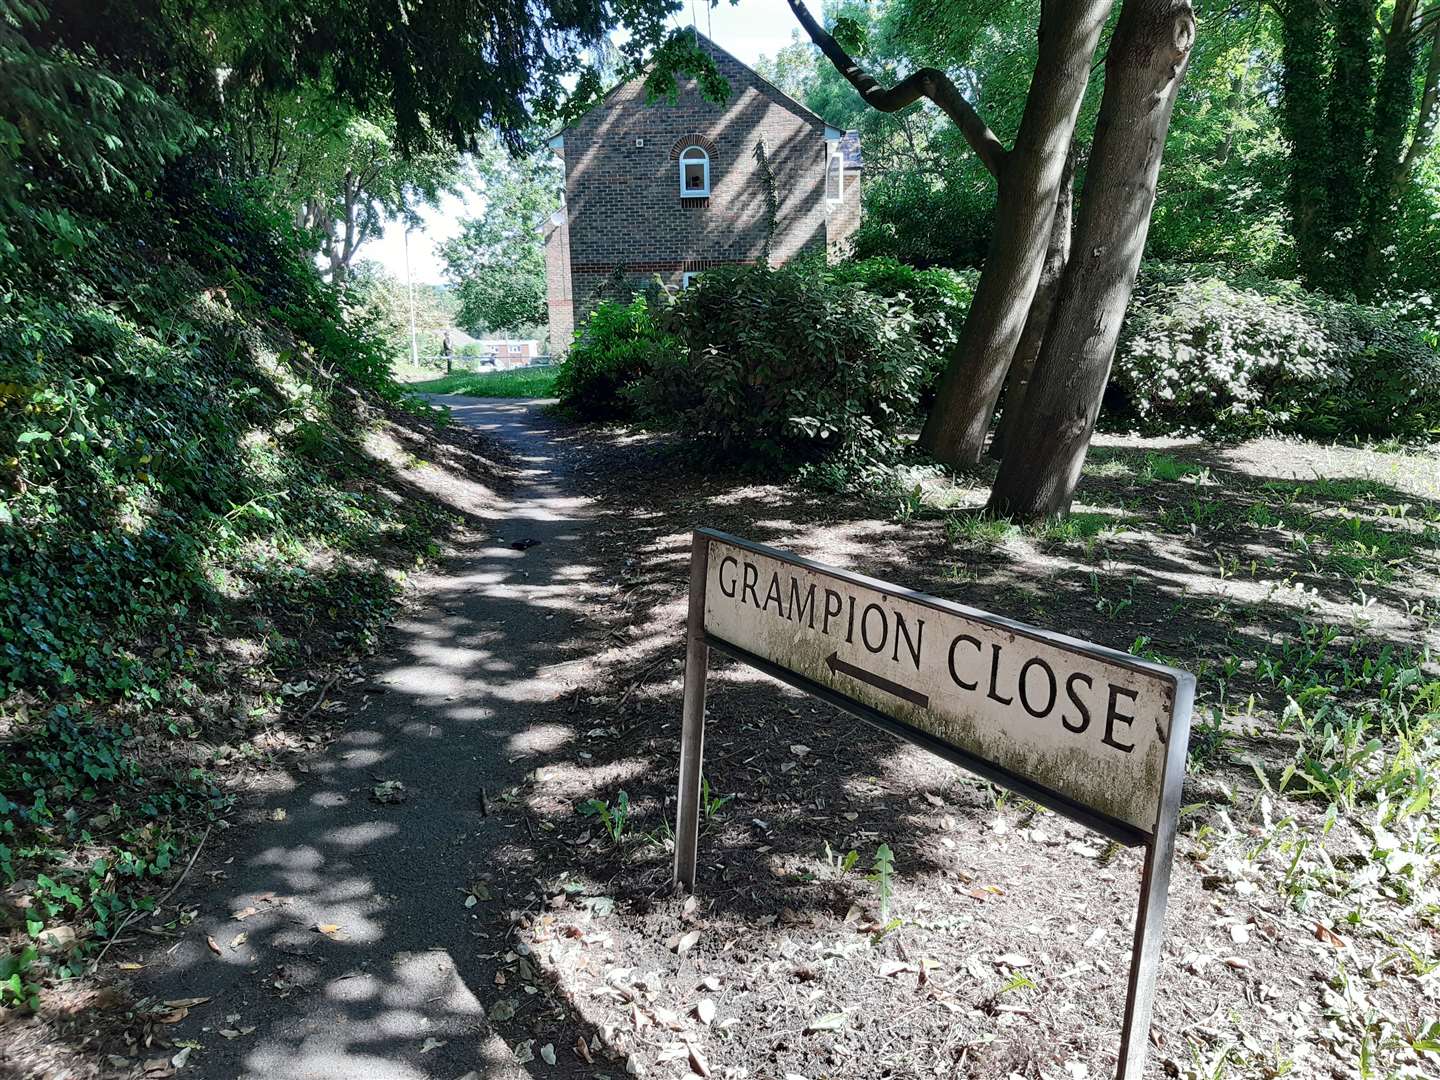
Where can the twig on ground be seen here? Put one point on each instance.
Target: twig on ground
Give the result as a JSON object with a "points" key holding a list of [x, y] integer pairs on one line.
{"points": [[640, 681], [95, 964], [316, 703]]}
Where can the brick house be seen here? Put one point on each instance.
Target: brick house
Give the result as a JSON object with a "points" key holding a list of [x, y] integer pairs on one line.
{"points": [[676, 189]]}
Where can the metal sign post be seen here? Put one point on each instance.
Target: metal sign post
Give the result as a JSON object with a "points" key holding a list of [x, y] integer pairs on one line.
{"points": [[1096, 735]]}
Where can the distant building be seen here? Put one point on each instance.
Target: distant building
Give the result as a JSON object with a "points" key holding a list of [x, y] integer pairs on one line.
{"points": [[675, 190]]}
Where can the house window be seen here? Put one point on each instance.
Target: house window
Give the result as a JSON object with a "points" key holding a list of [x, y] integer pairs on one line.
{"points": [[687, 277], [515, 348], [834, 176], [694, 172]]}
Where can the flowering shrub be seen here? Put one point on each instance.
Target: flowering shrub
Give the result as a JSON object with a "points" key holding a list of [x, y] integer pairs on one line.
{"points": [[1249, 355]]}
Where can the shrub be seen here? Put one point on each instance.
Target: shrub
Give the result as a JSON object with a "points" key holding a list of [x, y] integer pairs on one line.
{"points": [[791, 366], [940, 299], [911, 218], [620, 344], [1248, 355]]}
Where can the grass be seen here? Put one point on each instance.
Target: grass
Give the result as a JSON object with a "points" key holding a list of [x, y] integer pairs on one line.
{"points": [[521, 383]]}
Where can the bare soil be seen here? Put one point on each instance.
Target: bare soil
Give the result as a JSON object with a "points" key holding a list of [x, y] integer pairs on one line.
{"points": [[1011, 952]]}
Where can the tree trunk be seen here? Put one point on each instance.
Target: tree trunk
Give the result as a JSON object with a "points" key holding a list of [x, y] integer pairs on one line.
{"points": [[1302, 119], [1038, 320], [1146, 62], [1029, 185], [1394, 100], [1425, 126], [1352, 91]]}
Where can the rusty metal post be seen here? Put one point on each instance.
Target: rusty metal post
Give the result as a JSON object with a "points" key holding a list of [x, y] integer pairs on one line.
{"points": [[1154, 892], [692, 720]]}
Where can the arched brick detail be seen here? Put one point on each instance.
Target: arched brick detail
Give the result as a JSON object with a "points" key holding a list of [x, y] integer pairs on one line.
{"points": [[693, 139]]}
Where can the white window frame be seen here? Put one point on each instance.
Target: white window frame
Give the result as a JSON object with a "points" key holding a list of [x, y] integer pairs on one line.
{"points": [[689, 276], [516, 347], [689, 156]]}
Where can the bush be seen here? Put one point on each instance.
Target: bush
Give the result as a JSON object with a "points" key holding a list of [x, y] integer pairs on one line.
{"points": [[940, 298], [1248, 356], [620, 344], [791, 366], [911, 218]]}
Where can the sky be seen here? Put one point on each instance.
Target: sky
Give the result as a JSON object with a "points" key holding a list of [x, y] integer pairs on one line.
{"points": [[747, 29]]}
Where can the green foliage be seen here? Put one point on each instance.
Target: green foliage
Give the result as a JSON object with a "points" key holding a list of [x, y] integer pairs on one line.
{"points": [[497, 262], [15, 989], [63, 115], [181, 404], [614, 819], [711, 804], [801, 365], [791, 366], [620, 344], [152, 429], [912, 216], [883, 875], [72, 783], [678, 56], [940, 299], [1250, 356]]}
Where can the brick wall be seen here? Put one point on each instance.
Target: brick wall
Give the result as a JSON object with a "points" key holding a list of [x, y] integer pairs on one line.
{"points": [[557, 284], [625, 210], [844, 217]]}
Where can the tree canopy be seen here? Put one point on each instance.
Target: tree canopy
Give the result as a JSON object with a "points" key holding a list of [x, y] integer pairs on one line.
{"points": [[497, 263]]}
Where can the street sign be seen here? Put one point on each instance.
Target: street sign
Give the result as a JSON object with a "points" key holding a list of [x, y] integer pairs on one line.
{"points": [[1094, 734]]}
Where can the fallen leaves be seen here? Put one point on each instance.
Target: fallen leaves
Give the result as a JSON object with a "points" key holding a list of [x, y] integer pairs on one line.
{"points": [[333, 931], [827, 1022], [431, 1044], [389, 791], [683, 943]]}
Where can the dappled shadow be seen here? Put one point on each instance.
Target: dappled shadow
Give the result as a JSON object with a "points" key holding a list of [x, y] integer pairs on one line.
{"points": [[534, 676]]}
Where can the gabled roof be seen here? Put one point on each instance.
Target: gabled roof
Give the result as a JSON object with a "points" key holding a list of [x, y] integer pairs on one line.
{"points": [[556, 140]]}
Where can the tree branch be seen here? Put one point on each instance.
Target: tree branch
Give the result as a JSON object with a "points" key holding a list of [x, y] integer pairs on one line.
{"points": [[930, 83], [1429, 113]]}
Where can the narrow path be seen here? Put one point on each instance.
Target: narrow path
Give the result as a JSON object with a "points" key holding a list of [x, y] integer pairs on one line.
{"points": [[461, 700]]}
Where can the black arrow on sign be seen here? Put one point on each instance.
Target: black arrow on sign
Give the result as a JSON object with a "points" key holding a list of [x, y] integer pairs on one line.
{"points": [[834, 663]]}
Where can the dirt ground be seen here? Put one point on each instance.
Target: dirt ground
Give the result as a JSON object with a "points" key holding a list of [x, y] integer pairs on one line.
{"points": [[1302, 932]]}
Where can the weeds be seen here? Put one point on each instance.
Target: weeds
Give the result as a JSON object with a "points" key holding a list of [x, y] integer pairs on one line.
{"points": [[710, 805], [613, 819], [882, 873], [840, 865]]}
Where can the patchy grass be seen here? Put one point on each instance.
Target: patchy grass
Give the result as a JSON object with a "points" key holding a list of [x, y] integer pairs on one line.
{"points": [[536, 382]]}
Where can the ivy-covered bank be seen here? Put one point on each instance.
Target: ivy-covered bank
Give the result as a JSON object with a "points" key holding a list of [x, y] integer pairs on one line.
{"points": [[191, 536]]}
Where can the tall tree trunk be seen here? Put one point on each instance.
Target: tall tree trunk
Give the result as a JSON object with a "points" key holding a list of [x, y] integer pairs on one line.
{"points": [[1146, 62], [1038, 320], [1349, 114], [1425, 126], [1394, 100], [1029, 185], [1302, 119]]}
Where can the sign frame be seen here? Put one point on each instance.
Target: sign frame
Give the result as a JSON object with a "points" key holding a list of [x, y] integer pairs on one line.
{"points": [[1159, 843]]}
